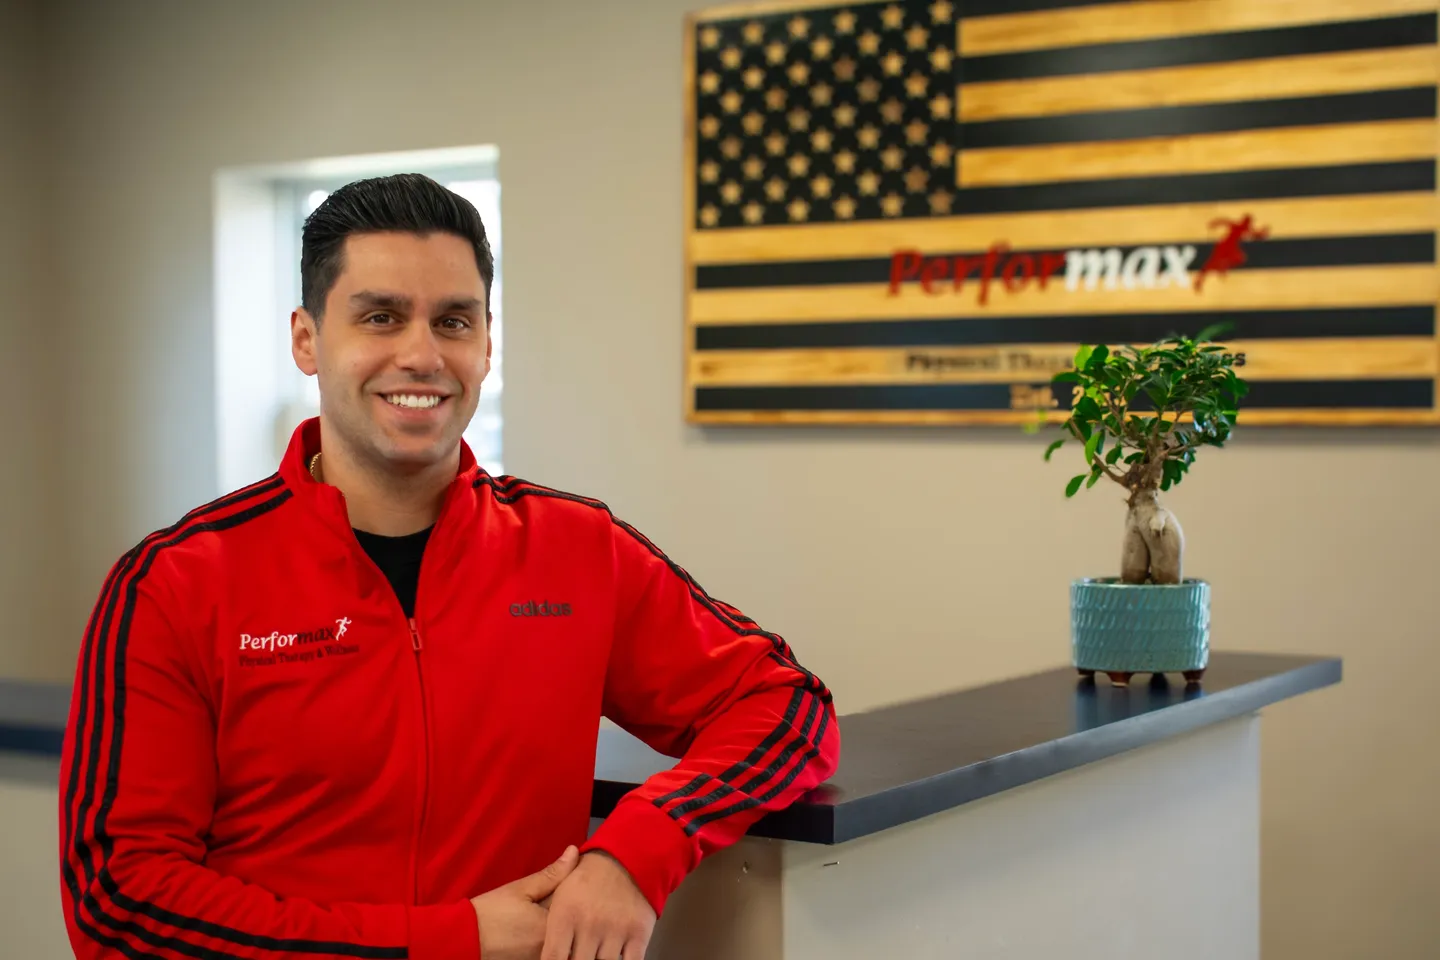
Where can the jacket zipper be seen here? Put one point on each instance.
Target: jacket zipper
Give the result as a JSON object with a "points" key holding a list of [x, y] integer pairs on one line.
{"points": [[417, 646]]}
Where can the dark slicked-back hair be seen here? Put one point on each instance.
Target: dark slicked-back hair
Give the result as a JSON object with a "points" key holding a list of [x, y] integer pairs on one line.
{"points": [[405, 202]]}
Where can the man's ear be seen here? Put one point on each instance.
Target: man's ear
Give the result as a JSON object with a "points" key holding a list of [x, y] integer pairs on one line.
{"points": [[304, 329], [489, 340]]}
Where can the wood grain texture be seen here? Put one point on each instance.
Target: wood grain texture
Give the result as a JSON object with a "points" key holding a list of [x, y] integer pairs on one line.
{"points": [[719, 377], [1374, 417], [687, 209], [1104, 23], [1241, 289], [1314, 75], [759, 8], [1186, 222], [1245, 150], [1340, 359]]}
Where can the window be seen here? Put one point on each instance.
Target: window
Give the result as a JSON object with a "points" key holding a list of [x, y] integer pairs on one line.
{"points": [[262, 397]]}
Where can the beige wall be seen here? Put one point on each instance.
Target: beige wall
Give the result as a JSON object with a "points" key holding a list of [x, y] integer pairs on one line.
{"points": [[32, 919], [29, 533], [899, 562]]}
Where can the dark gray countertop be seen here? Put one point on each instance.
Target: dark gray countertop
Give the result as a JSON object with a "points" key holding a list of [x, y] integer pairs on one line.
{"points": [[914, 759], [33, 716]]}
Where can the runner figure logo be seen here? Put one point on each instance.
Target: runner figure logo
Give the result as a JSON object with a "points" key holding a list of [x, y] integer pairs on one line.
{"points": [[1227, 252]]}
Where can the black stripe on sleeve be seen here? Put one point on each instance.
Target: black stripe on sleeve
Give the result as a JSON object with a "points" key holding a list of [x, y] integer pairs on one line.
{"points": [[981, 329], [747, 799], [787, 721], [808, 753], [735, 770], [153, 911], [725, 786], [761, 777], [1366, 106], [104, 878], [700, 782], [100, 620], [1331, 37], [91, 679]]}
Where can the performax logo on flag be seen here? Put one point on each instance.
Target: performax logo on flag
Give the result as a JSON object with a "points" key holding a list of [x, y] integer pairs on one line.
{"points": [[1143, 268]]}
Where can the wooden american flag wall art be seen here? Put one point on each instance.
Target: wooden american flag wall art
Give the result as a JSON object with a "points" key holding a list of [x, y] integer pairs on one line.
{"points": [[912, 211]]}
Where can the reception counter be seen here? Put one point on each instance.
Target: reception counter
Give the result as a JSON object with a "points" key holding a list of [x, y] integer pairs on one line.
{"points": [[1037, 817]]}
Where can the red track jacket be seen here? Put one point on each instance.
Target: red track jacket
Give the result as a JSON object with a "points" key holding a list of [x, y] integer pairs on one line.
{"points": [[266, 759]]}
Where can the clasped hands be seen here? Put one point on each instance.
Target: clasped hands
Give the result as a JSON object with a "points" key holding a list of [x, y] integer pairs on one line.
{"points": [[577, 908]]}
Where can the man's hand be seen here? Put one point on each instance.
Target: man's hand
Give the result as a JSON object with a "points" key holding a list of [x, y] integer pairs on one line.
{"points": [[512, 919], [598, 914]]}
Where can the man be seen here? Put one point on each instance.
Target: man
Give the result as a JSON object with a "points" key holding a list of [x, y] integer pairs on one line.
{"points": [[351, 710]]}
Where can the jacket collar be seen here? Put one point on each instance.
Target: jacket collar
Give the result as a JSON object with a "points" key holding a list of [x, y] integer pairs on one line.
{"points": [[305, 443]]}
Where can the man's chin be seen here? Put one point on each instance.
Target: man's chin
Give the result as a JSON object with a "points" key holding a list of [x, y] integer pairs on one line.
{"points": [[412, 454]]}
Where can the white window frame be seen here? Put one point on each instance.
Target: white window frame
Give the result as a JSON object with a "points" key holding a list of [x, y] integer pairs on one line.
{"points": [[260, 395]]}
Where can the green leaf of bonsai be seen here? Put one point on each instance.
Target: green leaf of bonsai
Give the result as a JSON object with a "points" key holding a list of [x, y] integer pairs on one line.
{"points": [[1087, 409]]}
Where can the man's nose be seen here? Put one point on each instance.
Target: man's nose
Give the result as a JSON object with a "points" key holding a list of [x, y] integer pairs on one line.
{"points": [[420, 349]]}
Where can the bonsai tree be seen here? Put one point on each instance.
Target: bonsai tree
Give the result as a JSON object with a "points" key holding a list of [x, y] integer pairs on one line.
{"points": [[1141, 413]]}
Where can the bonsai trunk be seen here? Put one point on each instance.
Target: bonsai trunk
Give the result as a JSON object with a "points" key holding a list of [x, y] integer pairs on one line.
{"points": [[1154, 544]]}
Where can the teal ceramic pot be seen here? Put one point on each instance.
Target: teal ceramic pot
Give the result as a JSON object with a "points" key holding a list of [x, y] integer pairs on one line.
{"points": [[1125, 628]]}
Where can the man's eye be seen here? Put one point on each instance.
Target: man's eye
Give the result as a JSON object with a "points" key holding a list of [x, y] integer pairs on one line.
{"points": [[456, 323], [380, 318]]}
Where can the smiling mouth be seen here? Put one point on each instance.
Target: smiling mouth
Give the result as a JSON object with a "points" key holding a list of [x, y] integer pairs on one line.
{"points": [[413, 401]]}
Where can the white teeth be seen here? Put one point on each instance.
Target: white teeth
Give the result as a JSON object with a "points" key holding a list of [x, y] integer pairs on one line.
{"points": [[412, 400]]}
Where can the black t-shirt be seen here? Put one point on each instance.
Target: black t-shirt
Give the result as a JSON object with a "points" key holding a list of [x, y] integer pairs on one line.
{"points": [[399, 559]]}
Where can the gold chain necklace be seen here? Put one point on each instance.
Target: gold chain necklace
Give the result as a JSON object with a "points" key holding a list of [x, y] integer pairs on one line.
{"points": [[315, 467]]}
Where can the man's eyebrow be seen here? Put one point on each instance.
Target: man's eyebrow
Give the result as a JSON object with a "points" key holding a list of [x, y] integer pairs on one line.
{"points": [[372, 300], [461, 305]]}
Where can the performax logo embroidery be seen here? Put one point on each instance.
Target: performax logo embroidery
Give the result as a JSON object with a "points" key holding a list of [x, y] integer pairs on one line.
{"points": [[263, 650], [539, 608]]}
